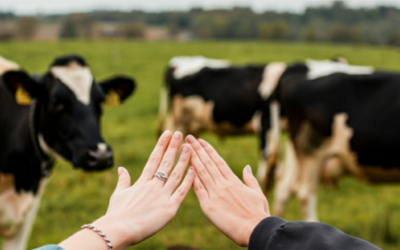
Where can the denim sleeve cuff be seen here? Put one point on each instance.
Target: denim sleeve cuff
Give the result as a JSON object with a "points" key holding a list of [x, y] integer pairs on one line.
{"points": [[49, 247]]}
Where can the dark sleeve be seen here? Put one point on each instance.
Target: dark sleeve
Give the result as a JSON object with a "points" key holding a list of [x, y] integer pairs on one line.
{"points": [[277, 233]]}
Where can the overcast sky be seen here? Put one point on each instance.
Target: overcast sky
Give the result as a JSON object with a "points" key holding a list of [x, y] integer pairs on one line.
{"points": [[54, 6]]}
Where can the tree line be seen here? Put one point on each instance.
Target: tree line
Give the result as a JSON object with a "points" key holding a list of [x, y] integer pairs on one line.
{"points": [[336, 23]]}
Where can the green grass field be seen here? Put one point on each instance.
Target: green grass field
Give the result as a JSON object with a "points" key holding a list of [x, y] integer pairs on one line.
{"points": [[73, 198]]}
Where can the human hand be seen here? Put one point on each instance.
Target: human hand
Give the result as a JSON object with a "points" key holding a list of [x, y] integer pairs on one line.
{"points": [[139, 211], [233, 207]]}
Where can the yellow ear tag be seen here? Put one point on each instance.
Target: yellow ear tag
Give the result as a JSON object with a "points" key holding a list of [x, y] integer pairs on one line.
{"points": [[111, 99], [22, 96]]}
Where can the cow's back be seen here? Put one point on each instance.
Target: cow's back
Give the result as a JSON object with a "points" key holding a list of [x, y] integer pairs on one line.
{"points": [[371, 104], [233, 90]]}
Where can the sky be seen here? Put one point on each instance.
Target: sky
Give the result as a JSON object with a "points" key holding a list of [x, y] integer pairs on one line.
{"points": [[65, 6]]}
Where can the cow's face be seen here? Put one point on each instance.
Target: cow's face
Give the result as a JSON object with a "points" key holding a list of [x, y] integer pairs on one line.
{"points": [[70, 106]]}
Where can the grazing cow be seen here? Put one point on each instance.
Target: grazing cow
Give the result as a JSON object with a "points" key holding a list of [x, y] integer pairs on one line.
{"points": [[341, 119], [211, 95], [55, 115]]}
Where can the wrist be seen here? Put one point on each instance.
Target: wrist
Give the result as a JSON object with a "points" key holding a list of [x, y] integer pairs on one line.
{"points": [[115, 231], [249, 230], [85, 239]]}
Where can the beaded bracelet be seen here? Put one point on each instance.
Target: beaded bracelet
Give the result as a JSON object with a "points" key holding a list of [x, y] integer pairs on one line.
{"points": [[90, 226]]}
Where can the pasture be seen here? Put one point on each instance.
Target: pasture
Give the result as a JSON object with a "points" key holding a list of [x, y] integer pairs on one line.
{"points": [[73, 198]]}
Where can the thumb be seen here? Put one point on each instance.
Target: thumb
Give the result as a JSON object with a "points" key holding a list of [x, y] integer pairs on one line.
{"points": [[250, 180], [124, 180]]}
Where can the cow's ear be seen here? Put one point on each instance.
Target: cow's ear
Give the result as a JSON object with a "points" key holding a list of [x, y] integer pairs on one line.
{"points": [[22, 86], [117, 89]]}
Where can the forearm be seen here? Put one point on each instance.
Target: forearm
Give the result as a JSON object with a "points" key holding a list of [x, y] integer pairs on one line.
{"points": [[276, 233]]}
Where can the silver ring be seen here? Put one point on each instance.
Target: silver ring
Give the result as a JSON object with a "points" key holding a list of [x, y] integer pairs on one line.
{"points": [[161, 175]]}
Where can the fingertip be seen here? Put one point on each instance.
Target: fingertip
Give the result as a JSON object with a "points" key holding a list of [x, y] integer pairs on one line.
{"points": [[177, 135], [247, 173], [166, 133], [190, 139], [249, 179], [192, 170], [124, 179], [185, 148], [120, 171], [248, 169], [165, 138], [203, 143]]}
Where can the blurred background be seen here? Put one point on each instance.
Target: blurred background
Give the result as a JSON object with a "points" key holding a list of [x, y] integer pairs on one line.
{"points": [[139, 38], [354, 22]]}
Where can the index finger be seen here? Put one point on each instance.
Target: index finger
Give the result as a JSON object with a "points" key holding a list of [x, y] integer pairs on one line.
{"points": [[225, 170], [202, 172], [175, 178], [205, 159]]}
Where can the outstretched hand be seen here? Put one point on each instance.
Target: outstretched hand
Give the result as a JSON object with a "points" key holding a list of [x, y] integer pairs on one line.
{"points": [[139, 211], [233, 207]]}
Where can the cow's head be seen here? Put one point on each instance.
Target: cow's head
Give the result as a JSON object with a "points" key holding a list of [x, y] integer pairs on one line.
{"points": [[69, 104]]}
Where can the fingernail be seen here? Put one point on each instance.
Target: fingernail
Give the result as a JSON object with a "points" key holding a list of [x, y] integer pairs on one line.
{"points": [[248, 168], [120, 170], [203, 142], [185, 149], [177, 135], [191, 139], [191, 170]]}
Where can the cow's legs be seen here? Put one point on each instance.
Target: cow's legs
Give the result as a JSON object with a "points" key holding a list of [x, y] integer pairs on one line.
{"points": [[169, 124], [269, 154], [308, 186], [331, 170], [266, 165], [262, 168], [20, 240], [286, 176], [163, 110]]}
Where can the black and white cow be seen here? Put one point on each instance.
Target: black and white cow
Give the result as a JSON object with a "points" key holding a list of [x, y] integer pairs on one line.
{"points": [[55, 115], [341, 119], [211, 95]]}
